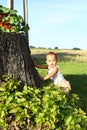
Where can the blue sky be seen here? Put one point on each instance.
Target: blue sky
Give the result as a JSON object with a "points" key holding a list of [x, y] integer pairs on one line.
{"points": [[55, 23]]}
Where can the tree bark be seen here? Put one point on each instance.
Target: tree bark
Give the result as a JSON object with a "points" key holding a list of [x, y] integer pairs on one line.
{"points": [[16, 61]]}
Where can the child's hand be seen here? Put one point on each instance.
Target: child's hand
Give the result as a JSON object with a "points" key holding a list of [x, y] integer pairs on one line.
{"points": [[41, 78]]}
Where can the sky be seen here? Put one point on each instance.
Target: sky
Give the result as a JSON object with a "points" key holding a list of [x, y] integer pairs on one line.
{"points": [[55, 23]]}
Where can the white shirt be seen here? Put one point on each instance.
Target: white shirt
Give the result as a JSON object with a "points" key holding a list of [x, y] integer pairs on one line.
{"points": [[58, 77]]}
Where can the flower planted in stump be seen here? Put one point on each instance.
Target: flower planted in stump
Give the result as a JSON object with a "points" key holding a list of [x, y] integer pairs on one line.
{"points": [[10, 21]]}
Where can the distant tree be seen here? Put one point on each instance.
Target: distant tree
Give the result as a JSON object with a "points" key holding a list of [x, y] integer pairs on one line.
{"points": [[50, 48], [32, 47], [41, 48], [56, 48], [75, 48]]}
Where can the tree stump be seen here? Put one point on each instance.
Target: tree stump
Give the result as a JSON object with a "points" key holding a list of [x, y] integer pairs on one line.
{"points": [[16, 60]]}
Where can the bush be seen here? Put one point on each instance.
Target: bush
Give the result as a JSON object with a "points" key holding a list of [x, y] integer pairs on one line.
{"points": [[45, 109]]}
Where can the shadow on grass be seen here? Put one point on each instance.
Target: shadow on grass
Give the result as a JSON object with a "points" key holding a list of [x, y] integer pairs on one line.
{"points": [[79, 87]]}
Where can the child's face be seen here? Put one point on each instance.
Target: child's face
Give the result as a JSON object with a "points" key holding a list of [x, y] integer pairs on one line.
{"points": [[51, 61]]}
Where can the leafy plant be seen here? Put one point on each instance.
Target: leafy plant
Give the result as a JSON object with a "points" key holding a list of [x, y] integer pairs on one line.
{"points": [[48, 108], [10, 21]]}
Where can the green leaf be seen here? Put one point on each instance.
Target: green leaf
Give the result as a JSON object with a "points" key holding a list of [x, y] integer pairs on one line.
{"points": [[17, 117], [15, 110], [11, 20], [2, 114], [2, 89], [19, 94], [9, 100], [68, 120]]}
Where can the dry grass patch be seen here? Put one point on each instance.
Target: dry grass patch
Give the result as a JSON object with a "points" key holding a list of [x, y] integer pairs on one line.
{"points": [[63, 55]]}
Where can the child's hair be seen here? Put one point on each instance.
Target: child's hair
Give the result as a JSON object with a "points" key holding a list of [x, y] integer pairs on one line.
{"points": [[51, 53]]}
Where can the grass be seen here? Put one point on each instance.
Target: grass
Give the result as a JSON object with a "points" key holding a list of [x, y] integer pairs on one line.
{"points": [[73, 64], [77, 75]]}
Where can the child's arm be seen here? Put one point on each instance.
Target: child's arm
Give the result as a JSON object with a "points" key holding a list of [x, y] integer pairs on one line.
{"points": [[41, 66], [54, 71]]}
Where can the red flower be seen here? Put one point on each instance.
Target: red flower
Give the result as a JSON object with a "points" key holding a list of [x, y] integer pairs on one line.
{"points": [[6, 21], [9, 26], [5, 27], [0, 17], [0, 24]]}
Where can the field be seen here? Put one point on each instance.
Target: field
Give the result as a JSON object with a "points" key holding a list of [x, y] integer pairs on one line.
{"points": [[73, 64], [63, 55]]}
